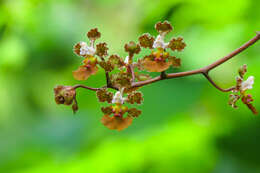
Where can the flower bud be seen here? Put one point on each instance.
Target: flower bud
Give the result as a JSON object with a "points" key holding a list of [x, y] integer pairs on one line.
{"points": [[132, 48], [64, 94], [242, 70]]}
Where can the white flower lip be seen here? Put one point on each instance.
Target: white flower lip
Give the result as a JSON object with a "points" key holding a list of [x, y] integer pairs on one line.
{"points": [[126, 60], [248, 84], [118, 98], [86, 50], [159, 42]]}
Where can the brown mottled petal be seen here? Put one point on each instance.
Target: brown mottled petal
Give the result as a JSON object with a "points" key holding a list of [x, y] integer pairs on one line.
{"points": [[132, 48], [101, 49], [164, 27], [121, 79], [177, 44], [104, 95], [156, 66], [107, 110], [133, 112], [83, 73], [176, 62], [116, 60], [106, 65], [76, 49], [93, 34], [135, 97], [130, 89], [142, 77], [146, 41], [116, 123]]}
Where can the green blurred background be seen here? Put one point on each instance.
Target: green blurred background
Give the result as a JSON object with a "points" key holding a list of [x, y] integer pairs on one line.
{"points": [[186, 125]]}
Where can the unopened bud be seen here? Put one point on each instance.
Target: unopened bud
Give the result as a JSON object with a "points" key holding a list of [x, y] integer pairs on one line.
{"points": [[64, 94]]}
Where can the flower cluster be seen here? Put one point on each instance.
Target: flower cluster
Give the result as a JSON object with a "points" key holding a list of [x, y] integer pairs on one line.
{"points": [[160, 60], [239, 92], [122, 74], [82, 49], [66, 95], [118, 120]]}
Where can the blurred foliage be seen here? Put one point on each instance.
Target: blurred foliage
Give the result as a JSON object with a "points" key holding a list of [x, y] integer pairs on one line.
{"points": [[186, 125]]}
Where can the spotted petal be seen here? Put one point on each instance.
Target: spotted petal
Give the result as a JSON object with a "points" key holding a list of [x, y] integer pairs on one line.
{"points": [[156, 66], [83, 72], [116, 123]]}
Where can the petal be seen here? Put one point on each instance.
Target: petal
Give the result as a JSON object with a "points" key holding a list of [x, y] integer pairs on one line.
{"points": [[77, 48], [176, 62], [142, 77], [133, 112], [146, 41], [101, 49], [83, 73], [251, 80], [132, 48], [106, 65], [177, 44], [93, 34], [135, 97], [118, 98], [156, 66], [104, 95], [164, 27], [121, 79], [116, 60], [130, 89], [107, 110], [159, 42], [116, 123], [248, 84]]}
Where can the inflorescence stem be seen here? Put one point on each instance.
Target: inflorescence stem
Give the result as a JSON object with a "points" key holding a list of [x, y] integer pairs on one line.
{"points": [[204, 70]]}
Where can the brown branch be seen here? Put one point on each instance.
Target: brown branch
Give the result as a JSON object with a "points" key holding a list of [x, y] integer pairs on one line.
{"points": [[86, 87], [205, 70], [215, 85], [234, 53]]}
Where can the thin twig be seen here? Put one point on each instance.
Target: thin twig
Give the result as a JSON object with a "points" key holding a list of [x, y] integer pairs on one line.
{"points": [[215, 85], [86, 87]]}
